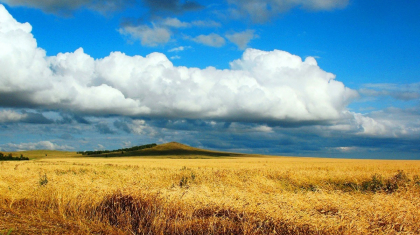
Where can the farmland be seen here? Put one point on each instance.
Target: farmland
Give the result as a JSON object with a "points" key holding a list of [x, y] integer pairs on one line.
{"points": [[207, 193]]}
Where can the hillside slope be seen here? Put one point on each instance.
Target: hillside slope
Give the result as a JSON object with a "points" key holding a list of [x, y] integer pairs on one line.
{"points": [[171, 150]]}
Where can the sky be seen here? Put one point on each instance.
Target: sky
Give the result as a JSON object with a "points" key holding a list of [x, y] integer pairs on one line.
{"points": [[321, 78]]}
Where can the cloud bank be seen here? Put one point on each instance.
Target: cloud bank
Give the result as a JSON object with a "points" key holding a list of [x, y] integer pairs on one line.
{"points": [[262, 86]]}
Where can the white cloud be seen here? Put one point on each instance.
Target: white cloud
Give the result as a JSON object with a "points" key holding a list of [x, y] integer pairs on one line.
{"points": [[273, 86], [11, 116], [148, 36], [175, 57], [213, 40], [241, 39], [370, 126], [44, 145]]}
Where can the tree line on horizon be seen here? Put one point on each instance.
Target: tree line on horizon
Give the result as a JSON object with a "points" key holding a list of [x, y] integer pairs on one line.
{"points": [[10, 157], [135, 148]]}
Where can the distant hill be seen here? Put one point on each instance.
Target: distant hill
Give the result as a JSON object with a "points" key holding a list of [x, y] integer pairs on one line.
{"points": [[171, 150], [168, 150]]}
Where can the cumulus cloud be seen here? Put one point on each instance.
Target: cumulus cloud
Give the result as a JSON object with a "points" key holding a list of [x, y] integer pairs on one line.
{"points": [[261, 11], [262, 86], [213, 40], [44, 145], [148, 36], [370, 126], [241, 39], [68, 6]]}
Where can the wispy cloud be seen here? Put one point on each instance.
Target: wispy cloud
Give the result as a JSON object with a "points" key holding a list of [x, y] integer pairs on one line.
{"points": [[178, 49]]}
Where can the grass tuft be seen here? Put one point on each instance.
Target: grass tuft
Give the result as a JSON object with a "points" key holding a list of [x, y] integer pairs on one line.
{"points": [[43, 180]]}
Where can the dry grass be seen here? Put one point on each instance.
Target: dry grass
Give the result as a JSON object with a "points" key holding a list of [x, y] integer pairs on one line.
{"points": [[209, 196]]}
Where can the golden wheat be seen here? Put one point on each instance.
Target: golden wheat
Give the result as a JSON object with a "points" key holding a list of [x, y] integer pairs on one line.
{"points": [[210, 196]]}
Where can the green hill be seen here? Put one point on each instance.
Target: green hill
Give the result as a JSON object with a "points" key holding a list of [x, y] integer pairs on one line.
{"points": [[170, 150]]}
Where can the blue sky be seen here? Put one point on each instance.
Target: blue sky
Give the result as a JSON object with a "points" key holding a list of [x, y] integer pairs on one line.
{"points": [[330, 78]]}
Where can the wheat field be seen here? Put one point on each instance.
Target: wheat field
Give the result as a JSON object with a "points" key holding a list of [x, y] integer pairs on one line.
{"points": [[235, 195]]}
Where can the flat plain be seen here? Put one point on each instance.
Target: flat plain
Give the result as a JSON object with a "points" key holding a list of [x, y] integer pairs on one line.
{"points": [[66, 193]]}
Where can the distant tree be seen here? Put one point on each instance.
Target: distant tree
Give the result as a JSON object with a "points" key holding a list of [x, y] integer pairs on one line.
{"points": [[10, 157]]}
